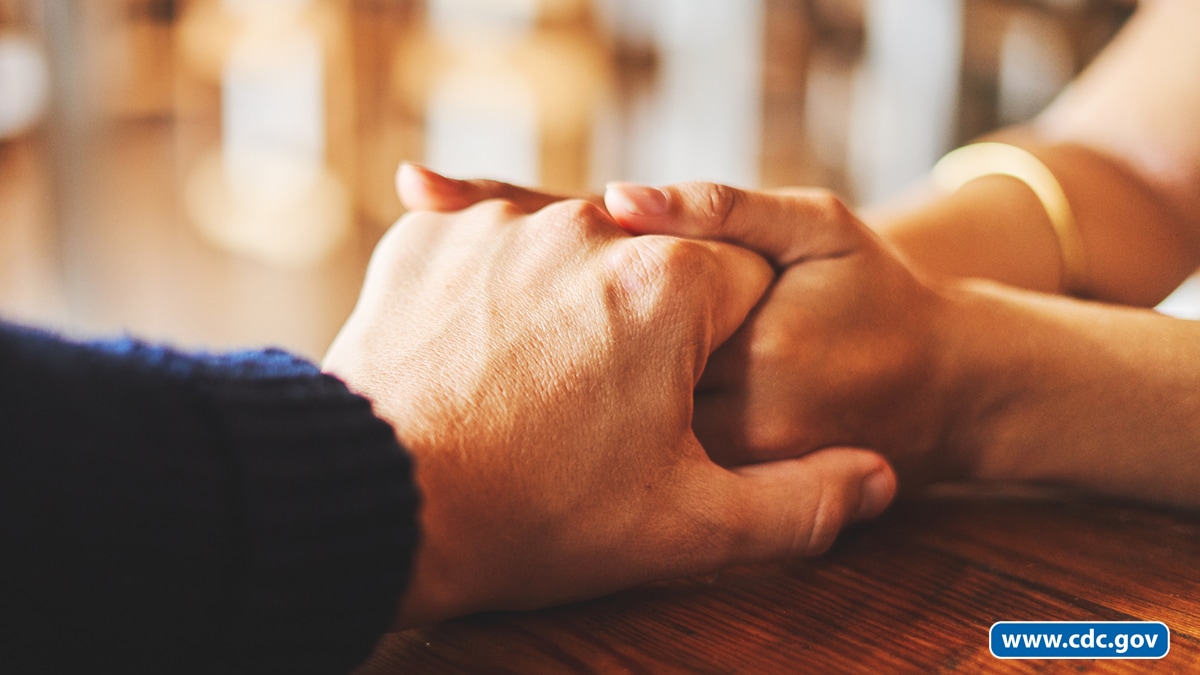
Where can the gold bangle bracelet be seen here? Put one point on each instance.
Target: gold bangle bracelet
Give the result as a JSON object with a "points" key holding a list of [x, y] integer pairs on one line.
{"points": [[969, 162]]}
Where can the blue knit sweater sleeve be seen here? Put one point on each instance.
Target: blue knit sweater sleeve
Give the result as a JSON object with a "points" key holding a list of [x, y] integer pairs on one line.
{"points": [[175, 513]]}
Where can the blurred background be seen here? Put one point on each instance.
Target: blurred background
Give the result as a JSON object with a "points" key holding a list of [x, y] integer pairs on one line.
{"points": [[214, 173]]}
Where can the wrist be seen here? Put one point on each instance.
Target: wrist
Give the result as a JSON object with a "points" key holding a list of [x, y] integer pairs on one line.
{"points": [[977, 373]]}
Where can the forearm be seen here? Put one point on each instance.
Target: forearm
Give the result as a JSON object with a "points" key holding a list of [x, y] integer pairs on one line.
{"points": [[1123, 143], [1136, 249], [1096, 397]]}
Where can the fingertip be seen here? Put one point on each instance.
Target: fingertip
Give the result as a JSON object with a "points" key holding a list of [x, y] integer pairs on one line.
{"points": [[422, 188], [411, 184], [876, 492], [635, 206], [411, 174]]}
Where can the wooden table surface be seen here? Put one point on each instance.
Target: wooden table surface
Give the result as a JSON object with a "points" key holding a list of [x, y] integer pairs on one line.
{"points": [[915, 591]]}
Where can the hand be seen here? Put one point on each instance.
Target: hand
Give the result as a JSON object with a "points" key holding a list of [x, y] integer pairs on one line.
{"points": [[540, 368], [843, 348]]}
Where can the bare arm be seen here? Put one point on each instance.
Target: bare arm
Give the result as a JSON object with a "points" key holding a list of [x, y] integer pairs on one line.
{"points": [[1097, 397], [1124, 141], [950, 379]]}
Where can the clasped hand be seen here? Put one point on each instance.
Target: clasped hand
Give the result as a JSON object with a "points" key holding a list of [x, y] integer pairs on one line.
{"points": [[847, 347], [539, 361]]}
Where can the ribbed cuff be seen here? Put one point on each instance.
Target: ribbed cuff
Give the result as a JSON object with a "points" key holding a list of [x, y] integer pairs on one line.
{"points": [[329, 504]]}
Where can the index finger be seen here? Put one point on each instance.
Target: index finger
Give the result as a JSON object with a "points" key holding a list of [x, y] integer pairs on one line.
{"points": [[420, 188]]}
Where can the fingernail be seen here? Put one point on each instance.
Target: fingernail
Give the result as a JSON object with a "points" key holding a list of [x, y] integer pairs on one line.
{"points": [[637, 200], [877, 492]]}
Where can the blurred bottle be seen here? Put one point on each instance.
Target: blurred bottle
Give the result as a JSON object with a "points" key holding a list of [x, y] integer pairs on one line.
{"points": [[272, 183], [24, 77], [30, 281], [510, 89]]}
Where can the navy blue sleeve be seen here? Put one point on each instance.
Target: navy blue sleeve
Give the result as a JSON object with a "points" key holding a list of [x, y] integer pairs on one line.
{"points": [[176, 513]]}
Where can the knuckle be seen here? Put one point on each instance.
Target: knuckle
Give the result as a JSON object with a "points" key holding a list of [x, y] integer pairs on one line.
{"points": [[641, 271], [496, 209], [682, 266], [704, 264], [689, 261], [715, 203], [654, 281], [574, 221], [840, 230], [578, 212], [844, 229], [656, 278], [830, 205], [637, 266]]}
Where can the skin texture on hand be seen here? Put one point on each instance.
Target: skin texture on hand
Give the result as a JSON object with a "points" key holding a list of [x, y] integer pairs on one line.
{"points": [[839, 351], [843, 348], [539, 365]]}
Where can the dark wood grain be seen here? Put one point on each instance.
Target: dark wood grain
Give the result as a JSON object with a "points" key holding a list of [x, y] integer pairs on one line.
{"points": [[915, 591]]}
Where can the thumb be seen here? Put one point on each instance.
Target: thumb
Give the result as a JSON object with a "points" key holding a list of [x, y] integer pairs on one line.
{"points": [[784, 227], [797, 507]]}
